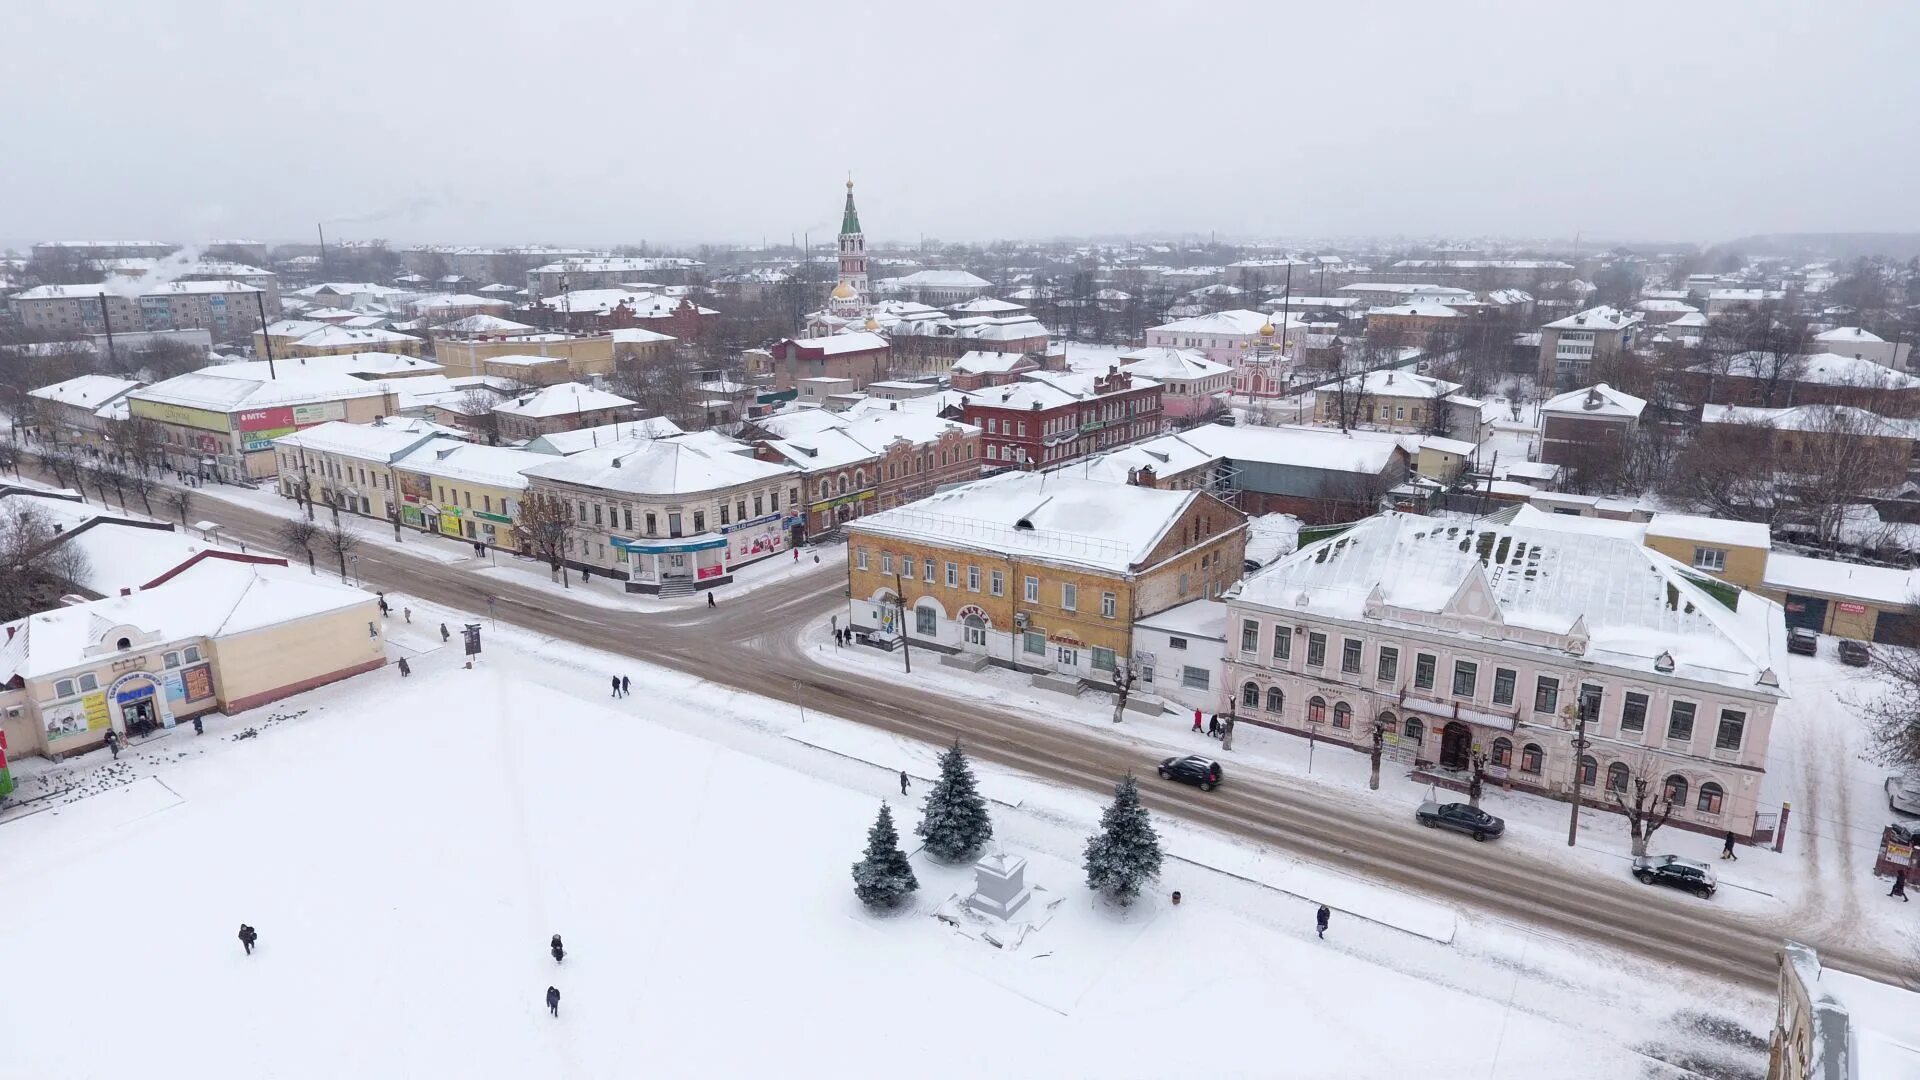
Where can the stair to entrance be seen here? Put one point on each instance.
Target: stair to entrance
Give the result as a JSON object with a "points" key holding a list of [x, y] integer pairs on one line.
{"points": [[679, 587]]}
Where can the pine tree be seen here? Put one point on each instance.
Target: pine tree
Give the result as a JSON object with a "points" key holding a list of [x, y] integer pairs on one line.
{"points": [[883, 878], [955, 823], [1126, 851]]}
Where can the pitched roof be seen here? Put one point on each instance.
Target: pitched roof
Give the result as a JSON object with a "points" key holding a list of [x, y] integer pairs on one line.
{"points": [[562, 399], [1599, 318], [1596, 400], [1160, 362], [668, 466], [86, 391]]}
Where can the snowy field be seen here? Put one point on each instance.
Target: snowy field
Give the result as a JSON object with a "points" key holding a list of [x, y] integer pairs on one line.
{"points": [[405, 848]]}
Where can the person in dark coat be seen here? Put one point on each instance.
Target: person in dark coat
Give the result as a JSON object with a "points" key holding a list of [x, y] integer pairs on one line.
{"points": [[1900, 884], [404, 669], [903, 781], [113, 743], [558, 950], [247, 937], [710, 602], [443, 632], [626, 686], [1726, 850], [199, 730], [1320, 919], [616, 686], [553, 1000], [1213, 725]]}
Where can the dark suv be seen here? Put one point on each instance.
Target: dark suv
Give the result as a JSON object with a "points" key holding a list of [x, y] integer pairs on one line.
{"points": [[1803, 641], [1695, 877], [1460, 817], [1192, 769]]}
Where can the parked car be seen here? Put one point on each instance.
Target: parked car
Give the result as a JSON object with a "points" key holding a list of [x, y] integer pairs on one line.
{"points": [[1695, 877], [1903, 794], [1803, 641], [1854, 653], [1193, 769], [1461, 818]]}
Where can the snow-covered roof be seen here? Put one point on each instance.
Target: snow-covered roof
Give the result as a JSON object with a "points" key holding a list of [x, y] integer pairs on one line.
{"points": [[1879, 584], [368, 442], [1195, 618], [835, 344], [1168, 455], [1420, 289], [1055, 517], [1831, 369], [1708, 530], [974, 362], [1458, 447], [371, 364], [486, 324], [1745, 295], [86, 391], [562, 399], [1392, 383], [472, 463], [1599, 318], [1826, 419], [1424, 311], [367, 339], [1849, 335], [220, 393], [1318, 448], [1604, 599], [942, 279], [1239, 321], [986, 305], [677, 465], [1596, 400], [1160, 362], [121, 555], [616, 265], [636, 335], [1664, 306], [564, 443], [458, 300]]}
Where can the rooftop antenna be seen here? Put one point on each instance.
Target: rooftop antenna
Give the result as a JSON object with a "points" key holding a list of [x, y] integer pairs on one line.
{"points": [[322, 229]]}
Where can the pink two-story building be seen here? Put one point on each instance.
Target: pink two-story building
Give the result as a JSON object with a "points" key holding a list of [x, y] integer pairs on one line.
{"points": [[1466, 640], [1190, 384]]}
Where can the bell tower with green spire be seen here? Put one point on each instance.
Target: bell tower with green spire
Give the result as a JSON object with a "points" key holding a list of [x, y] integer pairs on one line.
{"points": [[849, 297]]}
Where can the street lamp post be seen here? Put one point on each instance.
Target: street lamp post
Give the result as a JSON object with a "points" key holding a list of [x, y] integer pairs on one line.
{"points": [[900, 605], [353, 562], [1587, 712]]}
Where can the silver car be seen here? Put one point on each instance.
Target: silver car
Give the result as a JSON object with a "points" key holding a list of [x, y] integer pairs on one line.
{"points": [[1903, 794]]}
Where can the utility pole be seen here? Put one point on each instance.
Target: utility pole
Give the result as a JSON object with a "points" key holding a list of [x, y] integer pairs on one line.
{"points": [[900, 604], [266, 340], [1588, 706], [106, 323]]}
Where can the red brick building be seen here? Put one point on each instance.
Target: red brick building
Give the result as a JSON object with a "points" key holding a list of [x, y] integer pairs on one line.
{"points": [[1046, 419], [863, 357]]}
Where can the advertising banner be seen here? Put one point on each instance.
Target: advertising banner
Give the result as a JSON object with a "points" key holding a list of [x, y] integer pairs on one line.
{"points": [[198, 681], [77, 717], [319, 412], [1851, 608], [450, 521], [262, 419], [178, 414], [263, 440], [6, 778]]}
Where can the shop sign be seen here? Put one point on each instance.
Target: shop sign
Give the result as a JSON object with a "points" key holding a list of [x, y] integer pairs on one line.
{"points": [[76, 717], [706, 572], [738, 525], [319, 412], [1062, 637], [1899, 854], [263, 419], [484, 516], [1850, 608], [450, 522], [263, 440], [198, 681], [168, 413], [410, 515], [844, 500], [6, 778]]}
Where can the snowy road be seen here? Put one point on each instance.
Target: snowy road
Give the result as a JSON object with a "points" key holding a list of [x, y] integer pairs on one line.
{"points": [[752, 646]]}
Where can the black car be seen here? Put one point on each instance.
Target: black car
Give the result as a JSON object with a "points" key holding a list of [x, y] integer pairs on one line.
{"points": [[1854, 653], [1803, 641], [1192, 769], [1461, 818], [1695, 877]]}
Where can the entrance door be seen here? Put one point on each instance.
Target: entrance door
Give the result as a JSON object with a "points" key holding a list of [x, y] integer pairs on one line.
{"points": [[1456, 746], [140, 716], [976, 631], [1806, 612]]}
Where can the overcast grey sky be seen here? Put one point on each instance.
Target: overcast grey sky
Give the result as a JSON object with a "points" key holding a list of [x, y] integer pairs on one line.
{"points": [[583, 122]]}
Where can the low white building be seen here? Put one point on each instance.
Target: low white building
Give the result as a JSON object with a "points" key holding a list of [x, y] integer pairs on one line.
{"points": [[1862, 344], [1180, 653]]}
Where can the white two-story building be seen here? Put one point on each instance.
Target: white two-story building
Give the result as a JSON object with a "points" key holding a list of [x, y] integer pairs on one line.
{"points": [[1464, 639]]}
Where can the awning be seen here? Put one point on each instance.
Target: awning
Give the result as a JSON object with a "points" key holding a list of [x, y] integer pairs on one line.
{"points": [[661, 547], [1450, 711]]}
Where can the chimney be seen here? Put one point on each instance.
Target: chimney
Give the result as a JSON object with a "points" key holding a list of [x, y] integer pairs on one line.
{"points": [[1144, 476]]}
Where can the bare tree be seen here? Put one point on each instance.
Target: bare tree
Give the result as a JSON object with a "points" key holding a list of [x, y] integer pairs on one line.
{"points": [[36, 568], [180, 500], [1893, 718], [1123, 679], [342, 542], [143, 486], [144, 442], [546, 528], [476, 412], [10, 457], [1649, 809], [299, 534]]}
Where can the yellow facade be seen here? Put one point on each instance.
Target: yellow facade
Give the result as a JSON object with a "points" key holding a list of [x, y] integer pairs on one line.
{"points": [[1745, 566], [583, 356], [465, 509]]}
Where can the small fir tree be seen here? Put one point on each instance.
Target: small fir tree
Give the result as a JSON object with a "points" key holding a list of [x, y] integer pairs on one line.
{"points": [[883, 878], [954, 824], [1126, 850]]}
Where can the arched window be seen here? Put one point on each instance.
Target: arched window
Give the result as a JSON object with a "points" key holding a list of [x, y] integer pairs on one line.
{"points": [[1589, 769], [1677, 789], [843, 483], [1275, 699], [1342, 715], [1532, 759], [1386, 723], [1415, 731], [825, 491], [1617, 777], [1503, 753], [1711, 796], [859, 479], [1250, 695], [1316, 710]]}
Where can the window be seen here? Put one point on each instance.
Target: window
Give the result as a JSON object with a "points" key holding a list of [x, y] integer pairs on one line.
{"points": [[1503, 753], [1276, 699], [1070, 596], [1350, 656], [1316, 710], [1102, 659], [906, 561], [1633, 714], [997, 584], [1465, 678], [1316, 649], [1592, 698], [1706, 558], [1710, 798], [1176, 643], [1532, 760], [699, 521], [63, 688], [1676, 789], [596, 513], [1342, 715], [1194, 678], [1546, 695], [924, 619], [1033, 643], [1033, 590], [973, 579], [173, 659], [1423, 665], [1680, 721], [1250, 695], [1617, 778], [1282, 644], [886, 563], [1589, 770], [993, 450], [859, 557], [1733, 728], [1183, 584], [1249, 636], [1387, 666], [1503, 680], [650, 532], [1109, 605]]}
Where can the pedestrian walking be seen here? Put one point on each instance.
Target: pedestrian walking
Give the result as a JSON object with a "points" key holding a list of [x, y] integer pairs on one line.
{"points": [[1320, 920], [1196, 720], [197, 729], [553, 1000], [1213, 726], [1726, 849], [408, 612], [247, 937], [113, 743], [559, 951], [903, 781], [710, 602], [626, 686], [1900, 884], [796, 554], [616, 686], [586, 574], [404, 669], [443, 633]]}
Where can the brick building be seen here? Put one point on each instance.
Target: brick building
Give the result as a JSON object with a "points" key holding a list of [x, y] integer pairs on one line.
{"points": [[1586, 425], [862, 357], [1049, 418]]}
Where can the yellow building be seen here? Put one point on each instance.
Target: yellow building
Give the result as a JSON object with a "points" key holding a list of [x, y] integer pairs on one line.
{"points": [[1733, 551], [1044, 572], [328, 340], [222, 424], [465, 490], [578, 356], [350, 467]]}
